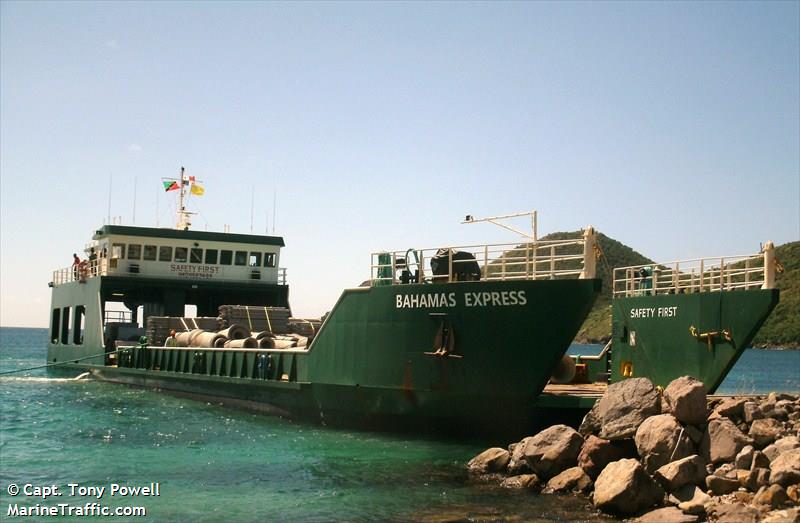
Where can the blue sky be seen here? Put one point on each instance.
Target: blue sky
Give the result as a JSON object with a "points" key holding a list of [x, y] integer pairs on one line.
{"points": [[672, 127]]}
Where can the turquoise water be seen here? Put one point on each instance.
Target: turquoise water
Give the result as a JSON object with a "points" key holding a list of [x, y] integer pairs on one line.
{"points": [[217, 464]]}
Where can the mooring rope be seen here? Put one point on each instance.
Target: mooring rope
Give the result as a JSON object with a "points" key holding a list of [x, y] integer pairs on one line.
{"points": [[71, 360]]}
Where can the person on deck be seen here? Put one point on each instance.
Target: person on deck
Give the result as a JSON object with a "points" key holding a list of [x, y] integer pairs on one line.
{"points": [[171, 341], [76, 262]]}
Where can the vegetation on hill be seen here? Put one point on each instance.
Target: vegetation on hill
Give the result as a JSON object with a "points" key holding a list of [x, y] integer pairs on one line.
{"points": [[782, 328]]}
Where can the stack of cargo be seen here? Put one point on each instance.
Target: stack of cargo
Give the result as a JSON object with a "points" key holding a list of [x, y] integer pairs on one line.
{"points": [[256, 318], [158, 327], [306, 327]]}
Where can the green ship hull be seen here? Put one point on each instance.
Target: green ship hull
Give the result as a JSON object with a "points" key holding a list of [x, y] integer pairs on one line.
{"points": [[374, 362]]}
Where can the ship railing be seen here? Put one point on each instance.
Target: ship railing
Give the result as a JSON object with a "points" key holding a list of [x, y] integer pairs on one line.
{"points": [[723, 273], [282, 276], [88, 269], [548, 259]]}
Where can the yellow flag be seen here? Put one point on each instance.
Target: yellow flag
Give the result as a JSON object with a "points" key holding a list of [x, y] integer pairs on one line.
{"points": [[197, 190]]}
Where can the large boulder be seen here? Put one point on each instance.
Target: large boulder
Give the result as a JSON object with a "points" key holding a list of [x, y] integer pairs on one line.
{"points": [[623, 407], [553, 450], [666, 515], [690, 499], [661, 439], [687, 471], [722, 441], [522, 481], [765, 431], [733, 513], [596, 453], [771, 497], [781, 446], [785, 469], [720, 485], [517, 464], [572, 479], [625, 488], [685, 398], [732, 408], [490, 460]]}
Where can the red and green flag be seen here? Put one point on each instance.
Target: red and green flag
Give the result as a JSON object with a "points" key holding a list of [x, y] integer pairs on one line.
{"points": [[171, 185]]}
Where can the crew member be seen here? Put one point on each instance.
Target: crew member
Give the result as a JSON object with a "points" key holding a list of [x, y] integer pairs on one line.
{"points": [[171, 341]]}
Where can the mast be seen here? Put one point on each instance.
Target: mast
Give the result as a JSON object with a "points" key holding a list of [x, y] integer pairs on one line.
{"points": [[184, 221]]}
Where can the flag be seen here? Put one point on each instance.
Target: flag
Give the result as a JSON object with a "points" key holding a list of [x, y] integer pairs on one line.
{"points": [[170, 185], [191, 179], [197, 189]]}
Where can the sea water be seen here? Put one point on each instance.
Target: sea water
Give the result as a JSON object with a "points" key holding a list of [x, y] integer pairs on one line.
{"points": [[212, 463]]}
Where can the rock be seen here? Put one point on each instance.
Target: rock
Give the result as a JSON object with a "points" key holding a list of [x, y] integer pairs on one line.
{"points": [[734, 513], [517, 464], [791, 515], [661, 439], [695, 434], [623, 407], [719, 486], [596, 453], [781, 445], [764, 431], [724, 470], [690, 499], [490, 460], [732, 408], [779, 414], [553, 450], [744, 458], [591, 422], [624, 487], [755, 479], [522, 481], [785, 469], [760, 460], [772, 497], [687, 471], [685, 398], [793, 491], [572, 479], [722, 441], [752, 411], [666, 515]]}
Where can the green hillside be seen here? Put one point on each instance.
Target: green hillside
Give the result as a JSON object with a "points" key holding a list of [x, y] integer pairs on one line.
{"points": [[782, 329]]}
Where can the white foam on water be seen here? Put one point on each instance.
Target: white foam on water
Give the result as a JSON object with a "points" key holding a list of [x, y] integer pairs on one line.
{"points": [[39, 379]]}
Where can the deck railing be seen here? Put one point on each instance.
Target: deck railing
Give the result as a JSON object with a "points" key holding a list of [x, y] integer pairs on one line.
{"points": [[100, 267], [722, 273], [549, 259]]}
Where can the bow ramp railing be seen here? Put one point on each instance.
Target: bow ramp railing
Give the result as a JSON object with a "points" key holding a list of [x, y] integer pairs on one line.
{"points": [[722, 273], [537, 260]]}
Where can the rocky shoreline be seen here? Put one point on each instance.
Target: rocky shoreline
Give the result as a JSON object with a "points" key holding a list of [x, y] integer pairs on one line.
{"points": [[666, 456]]}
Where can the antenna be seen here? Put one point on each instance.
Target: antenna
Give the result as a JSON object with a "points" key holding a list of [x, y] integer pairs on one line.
{"points": [[134, 201], [110, 184], [274, 208], [496, 220]]}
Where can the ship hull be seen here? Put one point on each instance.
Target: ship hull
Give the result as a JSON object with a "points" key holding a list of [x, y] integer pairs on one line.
{"points": [[468, 358]]}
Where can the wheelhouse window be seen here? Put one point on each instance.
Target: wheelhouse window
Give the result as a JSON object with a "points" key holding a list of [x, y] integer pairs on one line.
{"points": [[165, 254], [211, 256], [181, 254], [255, 259], [225, 257], [196, 256], [149, 253], [269, 259], [241, 258], [134, 251], [118, 250]]}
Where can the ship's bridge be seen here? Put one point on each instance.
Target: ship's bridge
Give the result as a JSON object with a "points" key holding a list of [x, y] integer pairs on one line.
{"points": [[174, 254]]}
